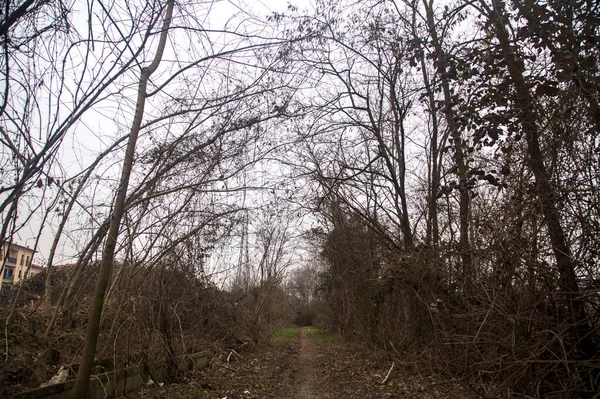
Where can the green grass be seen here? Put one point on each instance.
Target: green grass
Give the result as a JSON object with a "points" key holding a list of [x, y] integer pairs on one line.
{"points": [[320, 334], [286, 335]]}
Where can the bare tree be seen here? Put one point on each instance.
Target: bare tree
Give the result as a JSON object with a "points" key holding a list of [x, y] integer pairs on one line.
{"points": [[93, 329]]}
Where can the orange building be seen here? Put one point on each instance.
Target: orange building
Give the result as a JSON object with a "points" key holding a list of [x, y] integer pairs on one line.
{"points": [[16, 259]]}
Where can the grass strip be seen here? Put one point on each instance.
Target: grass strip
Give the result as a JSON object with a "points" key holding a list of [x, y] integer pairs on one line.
{"points": [[320, 334], [286, 335]]}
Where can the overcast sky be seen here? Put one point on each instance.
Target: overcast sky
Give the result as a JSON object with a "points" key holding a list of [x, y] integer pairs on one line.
{"points": [[108, 120]]}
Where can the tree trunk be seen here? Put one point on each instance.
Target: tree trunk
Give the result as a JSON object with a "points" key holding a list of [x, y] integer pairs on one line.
{"points": [[545, 190], [467, 271], [96, 307], [432, 237], [399, 111]]}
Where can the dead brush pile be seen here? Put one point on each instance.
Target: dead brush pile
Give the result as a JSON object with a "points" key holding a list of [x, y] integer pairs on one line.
{"points": [[516, 338], [150, 315]]}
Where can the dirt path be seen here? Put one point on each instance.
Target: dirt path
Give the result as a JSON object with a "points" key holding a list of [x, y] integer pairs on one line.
{"points": [[307, 370], [305, 388]]}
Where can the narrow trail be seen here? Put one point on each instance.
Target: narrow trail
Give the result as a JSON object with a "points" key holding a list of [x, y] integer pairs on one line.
{"points": [[307, 368], [306, 388]]}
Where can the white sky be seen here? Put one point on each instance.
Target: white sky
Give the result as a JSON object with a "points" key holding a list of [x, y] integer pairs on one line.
{"points": [[100, 126]]}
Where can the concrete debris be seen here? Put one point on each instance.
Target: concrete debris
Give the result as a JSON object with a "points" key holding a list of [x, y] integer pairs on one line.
{"points": [[60, 377]]}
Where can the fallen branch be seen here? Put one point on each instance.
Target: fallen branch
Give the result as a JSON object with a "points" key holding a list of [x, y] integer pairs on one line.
{"points": [[232, 352], [387, 376]]}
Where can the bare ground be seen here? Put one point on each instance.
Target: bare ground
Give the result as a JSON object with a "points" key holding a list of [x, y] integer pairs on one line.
{"points": [[308, 370], [306, 383]]}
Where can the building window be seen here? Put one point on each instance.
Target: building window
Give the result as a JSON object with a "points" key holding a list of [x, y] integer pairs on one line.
{"points": [[22, 259], [19, 274], [27, 261], [11, 257]]}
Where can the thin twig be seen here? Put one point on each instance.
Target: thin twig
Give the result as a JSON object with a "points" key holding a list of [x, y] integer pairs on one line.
{"points": [[387, 376]]}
